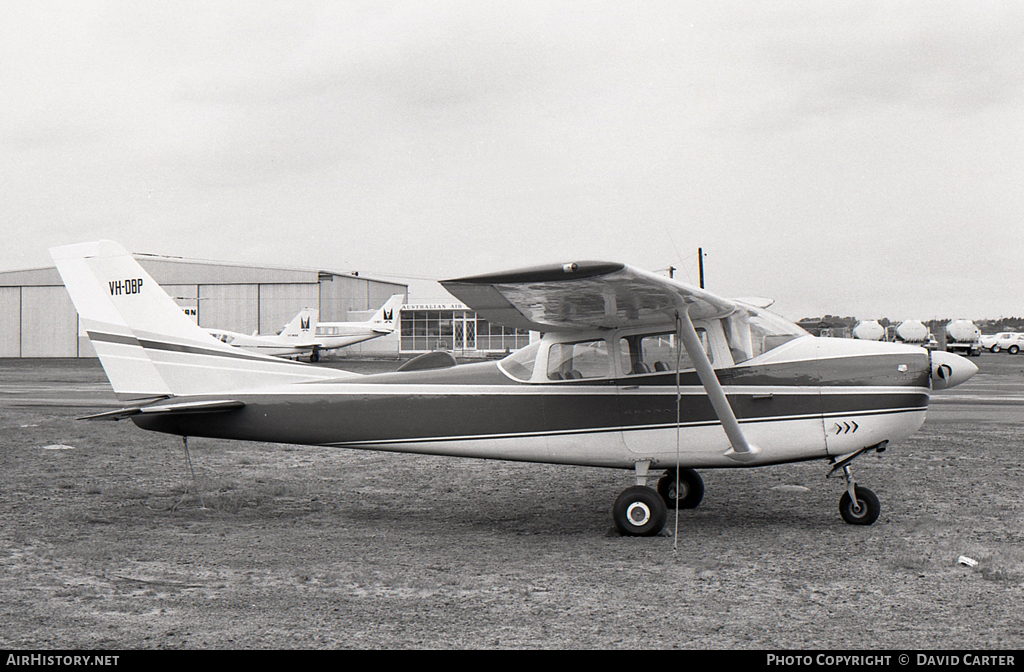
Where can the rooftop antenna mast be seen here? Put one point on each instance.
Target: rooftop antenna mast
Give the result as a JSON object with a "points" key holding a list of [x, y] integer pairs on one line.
{"points": [[700, 265]]}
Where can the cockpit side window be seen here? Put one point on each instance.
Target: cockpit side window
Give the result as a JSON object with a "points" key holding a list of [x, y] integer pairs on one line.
{"points": [[654, 353], [753, 333], [583, 359]]}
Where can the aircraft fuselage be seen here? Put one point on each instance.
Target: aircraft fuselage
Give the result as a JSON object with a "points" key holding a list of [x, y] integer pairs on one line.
{"points": [[825, 399]]}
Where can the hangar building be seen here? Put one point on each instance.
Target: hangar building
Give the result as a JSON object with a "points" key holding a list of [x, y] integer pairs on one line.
{"points": [[37, 318]]}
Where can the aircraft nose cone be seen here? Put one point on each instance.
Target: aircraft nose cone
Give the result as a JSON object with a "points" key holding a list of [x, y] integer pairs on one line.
{"points": [[949, 370]]}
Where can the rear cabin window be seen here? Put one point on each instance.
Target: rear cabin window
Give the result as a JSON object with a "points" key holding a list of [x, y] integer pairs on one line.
{"points": [[573, 361], [655, 353]]}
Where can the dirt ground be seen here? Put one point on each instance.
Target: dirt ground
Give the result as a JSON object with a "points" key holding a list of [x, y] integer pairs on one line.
{"points": [[106, 541]]}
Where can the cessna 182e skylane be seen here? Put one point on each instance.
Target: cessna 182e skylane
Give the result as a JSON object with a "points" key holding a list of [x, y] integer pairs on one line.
{"points": [[607, 385], [304, 335]]}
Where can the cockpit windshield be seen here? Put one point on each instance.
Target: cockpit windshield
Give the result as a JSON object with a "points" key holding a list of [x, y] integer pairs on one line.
{"points": [[520, 363], [755, 331]]}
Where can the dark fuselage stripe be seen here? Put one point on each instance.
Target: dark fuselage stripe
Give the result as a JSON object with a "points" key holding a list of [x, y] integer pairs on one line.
{"points": [[113, 338], [352, 418], [170, 347], [602, 430]]}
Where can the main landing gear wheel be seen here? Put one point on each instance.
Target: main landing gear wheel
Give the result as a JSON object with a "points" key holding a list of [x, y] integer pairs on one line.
{"points": [[639, 512], [862, 512], [691, 489]]}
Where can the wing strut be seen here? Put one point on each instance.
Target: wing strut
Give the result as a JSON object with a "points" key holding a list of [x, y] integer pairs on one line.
{"points": [[741, 450]]}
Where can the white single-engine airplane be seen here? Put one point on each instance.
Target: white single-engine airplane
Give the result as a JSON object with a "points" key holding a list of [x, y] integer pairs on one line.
{"points": [[634, 371]]}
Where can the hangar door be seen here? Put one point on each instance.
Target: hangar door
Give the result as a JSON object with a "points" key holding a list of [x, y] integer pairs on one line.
{"points": [[279, 303], [49, 323], [10, 321], [231, 307]]}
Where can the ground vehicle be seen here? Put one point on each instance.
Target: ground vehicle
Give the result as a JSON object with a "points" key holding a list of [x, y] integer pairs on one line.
{"points": [[963, 337], [1010, 341]]}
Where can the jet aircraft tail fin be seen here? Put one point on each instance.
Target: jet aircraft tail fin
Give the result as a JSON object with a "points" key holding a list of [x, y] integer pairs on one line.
{"points": [[147, 345], [303, 325], [386, 316]]}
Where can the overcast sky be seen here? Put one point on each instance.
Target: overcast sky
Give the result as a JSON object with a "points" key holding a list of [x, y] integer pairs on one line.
{"points": [[853, 158]]}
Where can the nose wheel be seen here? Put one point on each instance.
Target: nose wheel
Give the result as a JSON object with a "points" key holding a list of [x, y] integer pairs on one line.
{"points": [[858, 505], [860, 509]]}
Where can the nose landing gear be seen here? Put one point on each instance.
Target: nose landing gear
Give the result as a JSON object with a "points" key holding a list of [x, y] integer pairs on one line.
{"points": [[861, 508], [858, 505]]}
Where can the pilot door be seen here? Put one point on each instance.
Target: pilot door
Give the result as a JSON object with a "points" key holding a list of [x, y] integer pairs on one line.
{"points": [[778, 406], [647, 392]]}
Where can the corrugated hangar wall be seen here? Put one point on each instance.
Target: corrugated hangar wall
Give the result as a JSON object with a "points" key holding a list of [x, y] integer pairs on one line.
{"points": [[37, 318]]}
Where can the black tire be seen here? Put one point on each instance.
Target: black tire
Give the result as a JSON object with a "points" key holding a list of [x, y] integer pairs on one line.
{"points": [[994, 349], [314, 357], [639, 512], [1013, 349], [867, 510], [690, 485]]}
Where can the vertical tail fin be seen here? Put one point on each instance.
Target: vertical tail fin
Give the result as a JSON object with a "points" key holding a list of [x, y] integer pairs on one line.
{"points": [[386, 316], [146, 343], [303, 325], [130, 371]]}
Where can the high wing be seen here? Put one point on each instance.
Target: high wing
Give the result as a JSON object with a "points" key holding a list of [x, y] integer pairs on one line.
{"points": [[598, 294], [583, 295]]}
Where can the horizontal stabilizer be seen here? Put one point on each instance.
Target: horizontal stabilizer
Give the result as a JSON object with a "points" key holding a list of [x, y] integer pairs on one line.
{"points": [[119, 414], [214, 406]]}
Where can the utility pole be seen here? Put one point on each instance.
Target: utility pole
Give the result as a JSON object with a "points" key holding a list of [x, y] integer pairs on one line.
{"points": [[671, 271], [700, 265]]}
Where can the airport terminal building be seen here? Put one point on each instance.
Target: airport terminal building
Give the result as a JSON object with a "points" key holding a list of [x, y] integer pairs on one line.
{"points": [[457, 329], [37, 318]]}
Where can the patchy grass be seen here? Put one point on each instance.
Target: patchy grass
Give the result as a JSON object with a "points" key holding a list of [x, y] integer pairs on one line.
{"points": [[113, 544]]}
